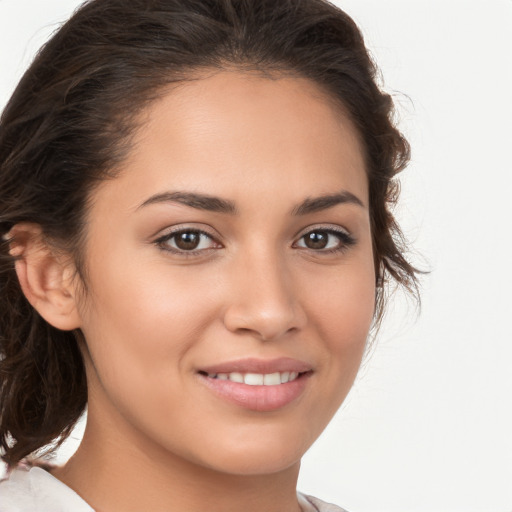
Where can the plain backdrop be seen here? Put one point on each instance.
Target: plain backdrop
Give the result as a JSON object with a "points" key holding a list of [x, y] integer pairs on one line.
{"points": [[428, 425]]}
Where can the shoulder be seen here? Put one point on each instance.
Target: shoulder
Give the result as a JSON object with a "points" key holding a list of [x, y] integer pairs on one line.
{"points": [[312, 504], [36, 490]]}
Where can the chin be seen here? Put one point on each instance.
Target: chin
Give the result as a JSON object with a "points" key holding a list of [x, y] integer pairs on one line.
{"points": [[251, 465], [258, 456]]}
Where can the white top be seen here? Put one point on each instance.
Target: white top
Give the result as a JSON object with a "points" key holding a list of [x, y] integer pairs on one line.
{"points": [[37, 490]]}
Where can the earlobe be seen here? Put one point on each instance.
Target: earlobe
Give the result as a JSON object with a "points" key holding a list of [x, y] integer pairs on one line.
{"points": [[45, 277]]}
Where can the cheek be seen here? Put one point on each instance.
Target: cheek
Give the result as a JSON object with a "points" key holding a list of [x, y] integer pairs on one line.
{"points": [[341, 312], [343, 301], [140, 329], [139, 316]]}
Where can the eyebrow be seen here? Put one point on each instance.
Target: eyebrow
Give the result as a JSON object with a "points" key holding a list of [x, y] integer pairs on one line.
{"points": [[218, 205], [317, 204], [194, 200]]}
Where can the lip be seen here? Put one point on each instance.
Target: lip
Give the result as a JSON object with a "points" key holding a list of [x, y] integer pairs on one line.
{"points": [[258, 398], [253, 365]]}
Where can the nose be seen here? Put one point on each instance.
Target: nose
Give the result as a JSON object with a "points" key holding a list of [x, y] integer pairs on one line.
{"points": [[264, 300]]}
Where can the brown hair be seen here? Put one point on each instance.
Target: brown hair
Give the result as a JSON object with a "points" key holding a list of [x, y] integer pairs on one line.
{"points": [[69, 123]]}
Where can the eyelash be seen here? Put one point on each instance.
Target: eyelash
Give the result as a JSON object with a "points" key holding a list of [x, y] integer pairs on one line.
{"points": [[346, 241], [161, 242]]}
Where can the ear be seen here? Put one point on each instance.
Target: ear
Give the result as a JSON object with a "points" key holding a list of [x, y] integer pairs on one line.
{"points": [[45, 276]]}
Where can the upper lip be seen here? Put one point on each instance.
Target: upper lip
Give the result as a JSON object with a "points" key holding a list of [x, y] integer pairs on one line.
{"points": [[253, 365]]}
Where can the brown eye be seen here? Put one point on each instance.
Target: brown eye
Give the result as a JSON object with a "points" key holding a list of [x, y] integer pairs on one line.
{"points": [[326, 240], [316, 240], [187, 240]]}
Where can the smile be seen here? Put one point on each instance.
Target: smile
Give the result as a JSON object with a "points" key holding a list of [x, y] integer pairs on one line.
{"points": [[258, 385], [257, 379]]}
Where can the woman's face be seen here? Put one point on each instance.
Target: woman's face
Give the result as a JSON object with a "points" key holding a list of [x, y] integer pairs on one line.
{"points": [[234, 246]]}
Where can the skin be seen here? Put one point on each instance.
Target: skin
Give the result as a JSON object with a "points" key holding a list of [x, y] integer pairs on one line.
{"points": [[157, 438]]}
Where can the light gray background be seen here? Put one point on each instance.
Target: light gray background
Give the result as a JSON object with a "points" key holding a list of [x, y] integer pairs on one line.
{"points": [[428, 426]]}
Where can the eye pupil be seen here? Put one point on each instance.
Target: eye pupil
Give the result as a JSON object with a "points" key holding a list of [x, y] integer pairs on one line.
{"points": [[188, 240], [316, 240]]}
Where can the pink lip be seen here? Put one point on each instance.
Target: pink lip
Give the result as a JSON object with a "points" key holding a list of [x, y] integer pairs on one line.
{"points": [[253, 365], [258, 398]]}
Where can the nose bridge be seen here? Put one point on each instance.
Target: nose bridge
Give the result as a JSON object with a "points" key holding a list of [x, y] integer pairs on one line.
{"points": [[264, 299]]}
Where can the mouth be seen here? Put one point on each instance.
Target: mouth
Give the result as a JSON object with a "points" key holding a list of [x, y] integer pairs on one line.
{"points": [[256, 379], [258, 385]]}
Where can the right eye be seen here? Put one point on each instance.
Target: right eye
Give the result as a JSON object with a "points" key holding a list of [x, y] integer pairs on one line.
{"points": [[187, 241]]}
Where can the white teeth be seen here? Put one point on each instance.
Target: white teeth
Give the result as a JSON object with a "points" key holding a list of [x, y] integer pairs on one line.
{"points": [[236, 377], [253, 379], [271, 379], [257, 379]]}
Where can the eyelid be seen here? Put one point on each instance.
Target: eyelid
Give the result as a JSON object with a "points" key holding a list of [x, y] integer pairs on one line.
{"points": [[323, 227], [346, 238], [176, 230]]}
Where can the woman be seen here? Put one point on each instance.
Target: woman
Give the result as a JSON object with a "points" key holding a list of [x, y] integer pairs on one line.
{"points": [[196, 242]]}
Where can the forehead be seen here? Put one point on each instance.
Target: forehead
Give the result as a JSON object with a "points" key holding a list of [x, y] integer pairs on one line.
{"points": [[231, 132]]}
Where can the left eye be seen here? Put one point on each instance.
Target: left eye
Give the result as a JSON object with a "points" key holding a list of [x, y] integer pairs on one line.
{"points": [[187, 240], [325, 240]]}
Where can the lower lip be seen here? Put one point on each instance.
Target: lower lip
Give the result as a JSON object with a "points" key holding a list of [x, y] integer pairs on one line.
{"points": [[258, 398]]}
